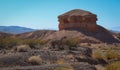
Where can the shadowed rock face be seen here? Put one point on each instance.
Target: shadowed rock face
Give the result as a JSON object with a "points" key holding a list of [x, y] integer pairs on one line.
{"points": [[78, 19]]}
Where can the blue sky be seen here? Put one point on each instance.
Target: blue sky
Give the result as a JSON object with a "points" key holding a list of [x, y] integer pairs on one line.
{"points": [[42, 14]]}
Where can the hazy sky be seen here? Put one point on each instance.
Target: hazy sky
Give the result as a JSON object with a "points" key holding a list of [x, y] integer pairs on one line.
{"points": [[42, 14]]}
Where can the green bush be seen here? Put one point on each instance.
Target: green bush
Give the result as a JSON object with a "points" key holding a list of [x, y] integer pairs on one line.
{"points": [[9, 42], [33, 42], [66, 43]]}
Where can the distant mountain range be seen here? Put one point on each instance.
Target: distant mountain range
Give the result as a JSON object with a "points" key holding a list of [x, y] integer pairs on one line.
{"points": [[114, 31], [19, 29], [15, 29]]}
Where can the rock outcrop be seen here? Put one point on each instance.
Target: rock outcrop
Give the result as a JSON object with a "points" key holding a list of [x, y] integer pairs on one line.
{"points": [[78, 19], [85, 23]]}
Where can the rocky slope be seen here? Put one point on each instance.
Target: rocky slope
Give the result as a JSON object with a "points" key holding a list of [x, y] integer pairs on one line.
{"points": [[101, 36], [38, 34], [49, 60], [3, 35]]}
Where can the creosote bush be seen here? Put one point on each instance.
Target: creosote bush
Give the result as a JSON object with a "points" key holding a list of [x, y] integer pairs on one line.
{"points": [[9, 42], [33, 42], [69, 43]]}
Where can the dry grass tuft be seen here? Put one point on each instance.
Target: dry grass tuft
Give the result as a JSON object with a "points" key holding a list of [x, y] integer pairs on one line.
{"points": [[65, 67], [23, 48], [112, 55], [108, 55], [60, 61], [97, 55], [113, 66], [35, 60]]}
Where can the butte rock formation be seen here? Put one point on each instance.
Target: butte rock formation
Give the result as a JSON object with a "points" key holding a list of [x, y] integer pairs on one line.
{"points": [[78, 19], [85, 22]]}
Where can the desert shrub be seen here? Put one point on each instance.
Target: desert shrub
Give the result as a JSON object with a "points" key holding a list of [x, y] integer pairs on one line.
{"points": [[66, 43], [35, 60], [33, 42], [112, 55], [71, 41], [23, 48], [9, 42], [113, 66], [64, 67], [100, 57]]}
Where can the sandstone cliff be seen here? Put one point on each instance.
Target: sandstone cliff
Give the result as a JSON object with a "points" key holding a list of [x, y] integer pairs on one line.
{"points": [[85, 22], [78, 19]]}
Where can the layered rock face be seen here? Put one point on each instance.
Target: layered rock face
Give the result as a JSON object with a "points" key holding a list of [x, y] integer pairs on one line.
{"points": [[85, 23], [78, 19]]}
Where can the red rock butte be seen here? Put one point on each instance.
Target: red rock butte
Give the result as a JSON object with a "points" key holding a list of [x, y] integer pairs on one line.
{"points": [[78, 19]]}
